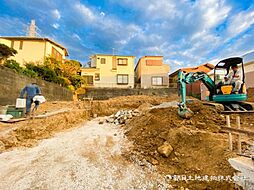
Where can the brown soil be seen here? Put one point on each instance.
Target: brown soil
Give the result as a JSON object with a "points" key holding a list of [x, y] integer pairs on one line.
{"points": [[113, 105], [27, 133], [198, 147]]}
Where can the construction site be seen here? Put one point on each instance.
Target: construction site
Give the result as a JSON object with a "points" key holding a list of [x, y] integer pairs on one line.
{"points": [[135, 142], [127, 95]]}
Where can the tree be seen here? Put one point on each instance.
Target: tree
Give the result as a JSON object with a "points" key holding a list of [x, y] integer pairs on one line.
{"points": [[6, 52], [70, 68]]}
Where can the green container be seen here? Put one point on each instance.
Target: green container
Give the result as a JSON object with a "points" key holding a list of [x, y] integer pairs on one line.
{"points": [[16, 112]]}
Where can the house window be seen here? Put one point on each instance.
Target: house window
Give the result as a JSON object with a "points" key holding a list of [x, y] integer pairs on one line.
{"points": [[122, 61], [21, 45], [89, 79], [12, 43], [56, 55], [103, 61], [97, 76], [122, 79], [157, 81]]}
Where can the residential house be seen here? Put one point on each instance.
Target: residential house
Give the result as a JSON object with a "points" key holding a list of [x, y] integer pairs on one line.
{"points": [[249, 69], [150, 72], [110, 71], [195, 88], [34, 49]]}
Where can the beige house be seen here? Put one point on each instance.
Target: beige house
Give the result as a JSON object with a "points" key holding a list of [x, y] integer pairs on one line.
{"points": [[110, 71], [34, 49], [150, 72]]}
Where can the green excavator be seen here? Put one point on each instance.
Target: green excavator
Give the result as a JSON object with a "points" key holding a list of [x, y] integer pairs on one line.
{"points": [[220, 94]]}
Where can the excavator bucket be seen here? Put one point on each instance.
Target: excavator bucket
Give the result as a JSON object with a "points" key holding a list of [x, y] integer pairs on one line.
{"points": [[185, 113]]}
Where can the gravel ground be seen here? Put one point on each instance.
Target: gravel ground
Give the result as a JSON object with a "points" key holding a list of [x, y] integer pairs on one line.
{"points": [[88, 157]]}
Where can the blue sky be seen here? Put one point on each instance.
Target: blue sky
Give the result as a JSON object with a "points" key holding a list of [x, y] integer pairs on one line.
{"points": [[185, 32]]}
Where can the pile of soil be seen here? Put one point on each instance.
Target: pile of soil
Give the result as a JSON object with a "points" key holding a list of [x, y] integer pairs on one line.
{"points": [[28, 133], [198, 147], [111, 106]]}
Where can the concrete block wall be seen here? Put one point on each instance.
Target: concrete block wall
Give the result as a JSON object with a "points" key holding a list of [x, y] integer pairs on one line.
{"points": [[106, 93], [11, 83]]}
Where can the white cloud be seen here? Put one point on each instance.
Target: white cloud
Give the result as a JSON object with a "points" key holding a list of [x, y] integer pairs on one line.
{"points": [[213, 11], [86, 12], [240, 22], [102, 13], [55, 25], [56, 14], [76, 36]]}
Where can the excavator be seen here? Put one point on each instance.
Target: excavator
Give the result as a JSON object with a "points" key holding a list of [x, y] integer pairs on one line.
{"points": [[220, 94]]}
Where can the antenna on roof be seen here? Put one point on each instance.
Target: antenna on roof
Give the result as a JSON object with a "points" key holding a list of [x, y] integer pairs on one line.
{"points": [[32, 29]]}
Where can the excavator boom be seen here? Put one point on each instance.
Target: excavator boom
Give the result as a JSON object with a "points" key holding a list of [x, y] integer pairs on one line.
{"points": [[189, 78]]}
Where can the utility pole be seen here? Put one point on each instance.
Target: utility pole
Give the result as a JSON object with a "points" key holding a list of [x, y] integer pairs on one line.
{"points": [[32, 29], [113, 51]]}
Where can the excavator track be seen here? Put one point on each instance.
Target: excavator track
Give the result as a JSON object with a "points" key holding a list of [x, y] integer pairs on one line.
{"points": [[234, 107]]}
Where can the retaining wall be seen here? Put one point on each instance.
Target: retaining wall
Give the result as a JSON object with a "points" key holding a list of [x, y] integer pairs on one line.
{"points": [[11, 84], [106, 93]]}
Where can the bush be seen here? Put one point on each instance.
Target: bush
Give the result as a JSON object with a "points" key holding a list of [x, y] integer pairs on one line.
{"points": [[12, 64], [64, 74], [30, 73]]}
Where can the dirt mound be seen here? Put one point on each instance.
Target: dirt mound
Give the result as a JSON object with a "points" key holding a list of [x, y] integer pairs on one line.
{"points": [[113, 105], [198, 147], [27, 133]]}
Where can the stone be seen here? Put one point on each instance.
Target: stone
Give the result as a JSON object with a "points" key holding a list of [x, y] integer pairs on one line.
{"points": [[116, 122], [101, 121], [121, 120], [110, 120], [129, 116], [154, 161], [118, 114], [177, 154], [165, 149]]}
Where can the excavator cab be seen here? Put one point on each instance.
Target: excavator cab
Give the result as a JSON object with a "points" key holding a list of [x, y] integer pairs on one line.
{"points": [[223, 91]]}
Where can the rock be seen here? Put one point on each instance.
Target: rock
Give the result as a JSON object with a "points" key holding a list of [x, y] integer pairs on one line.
{"points": [[116, 122], [165, 150], [129, 116], [154, 161], [175, 159], [177, 154], [101, 121], [136, 111], [121, 120], [117, 114], [110, 120], [95, 115], [189, 122]]}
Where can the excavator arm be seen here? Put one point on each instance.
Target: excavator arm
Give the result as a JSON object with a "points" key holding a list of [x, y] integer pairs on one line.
{"points": [[189, 78]]}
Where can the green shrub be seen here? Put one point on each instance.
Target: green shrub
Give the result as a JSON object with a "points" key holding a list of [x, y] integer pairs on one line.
{"points": [[12, 64], [30, 73]]}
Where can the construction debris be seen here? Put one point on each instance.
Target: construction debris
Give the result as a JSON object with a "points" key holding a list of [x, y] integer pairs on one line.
{"points": [[122, 116], [166, 149]]}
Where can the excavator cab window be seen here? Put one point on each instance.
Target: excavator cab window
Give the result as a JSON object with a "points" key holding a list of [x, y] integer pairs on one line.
{"points": [[223, 70]]}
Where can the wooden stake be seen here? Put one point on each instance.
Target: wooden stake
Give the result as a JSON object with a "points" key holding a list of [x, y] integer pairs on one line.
{"points": [[229, 134], [239, 147]]}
